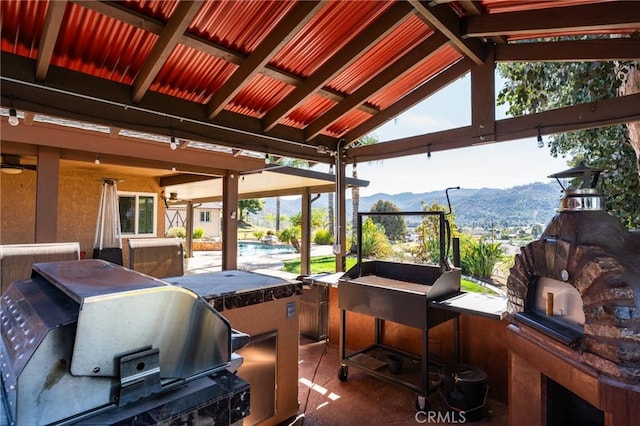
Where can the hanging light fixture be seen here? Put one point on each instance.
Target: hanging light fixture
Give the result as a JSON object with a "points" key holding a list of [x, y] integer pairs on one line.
{"points": [[13, 117], [97, 160], [173, 144], [540, 141]]}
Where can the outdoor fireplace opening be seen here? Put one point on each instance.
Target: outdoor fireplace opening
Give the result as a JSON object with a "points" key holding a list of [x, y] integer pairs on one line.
{"points": [[565, 408]]}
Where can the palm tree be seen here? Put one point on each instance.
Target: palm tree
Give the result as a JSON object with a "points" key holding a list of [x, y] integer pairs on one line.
{"points": [[369, 139], [281, 161]]}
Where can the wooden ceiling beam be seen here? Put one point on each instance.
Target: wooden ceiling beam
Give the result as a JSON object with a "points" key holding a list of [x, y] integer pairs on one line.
{"points": [[393, 72], [169, 38], [615, 49], [50, 30], [604, 16], [474, 7], [183, 178], [605, 112], [357, 47], [108, 103], [284, 31], [87, 144], [443, 19]]}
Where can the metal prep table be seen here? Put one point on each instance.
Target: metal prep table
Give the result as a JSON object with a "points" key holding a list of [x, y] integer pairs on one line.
{"points": [[375, 293], [417, 295]]}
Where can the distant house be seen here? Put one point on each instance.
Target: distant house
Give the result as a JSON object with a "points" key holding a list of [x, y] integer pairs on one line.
{"points": [[206, 216]]}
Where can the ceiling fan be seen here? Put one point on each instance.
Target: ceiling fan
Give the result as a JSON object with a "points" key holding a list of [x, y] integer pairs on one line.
{"points": [[11, 164]]}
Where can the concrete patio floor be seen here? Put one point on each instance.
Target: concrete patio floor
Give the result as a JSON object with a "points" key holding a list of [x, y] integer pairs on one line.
{"points": [[363, 399]]}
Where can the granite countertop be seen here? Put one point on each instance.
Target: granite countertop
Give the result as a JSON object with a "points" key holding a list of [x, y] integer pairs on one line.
{"points": [[234, 289]]}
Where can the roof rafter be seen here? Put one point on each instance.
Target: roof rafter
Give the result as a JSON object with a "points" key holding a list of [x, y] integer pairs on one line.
{"points": [[427, 89], [169, 38], [284, 31], [383, 26], [393, 72], [570, 50], [591, 17], [604, 112], [442, 18], [50, 32]]}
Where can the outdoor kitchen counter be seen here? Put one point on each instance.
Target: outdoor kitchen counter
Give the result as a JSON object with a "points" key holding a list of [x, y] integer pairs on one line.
{"points": [[267, 308], [235, 289]]}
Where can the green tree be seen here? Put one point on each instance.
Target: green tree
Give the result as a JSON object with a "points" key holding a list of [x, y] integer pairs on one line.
{"points": [[251, 206], [394, 226], [534, 86], [427, 248]]}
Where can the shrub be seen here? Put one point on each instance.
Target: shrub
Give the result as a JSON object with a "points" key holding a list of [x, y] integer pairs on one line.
{"points": [[258, 234], [198, 233], [323, 237], [374, 242], [176, 232], [287, 234], [479, 258]]}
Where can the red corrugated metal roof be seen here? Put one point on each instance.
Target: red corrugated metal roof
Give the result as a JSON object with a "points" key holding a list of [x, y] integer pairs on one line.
{"points": [[336, 24], [19, 38], [257, 97], [238, 25], [308, 111], [439, 61], [114, 40], [200, 75], [406, 36], [347, 122], [98, 45]]}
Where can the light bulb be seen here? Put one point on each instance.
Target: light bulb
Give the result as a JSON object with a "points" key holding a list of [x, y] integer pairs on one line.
{"points": [[97, 160], [173, 145], [540, 141], [13, 117]]}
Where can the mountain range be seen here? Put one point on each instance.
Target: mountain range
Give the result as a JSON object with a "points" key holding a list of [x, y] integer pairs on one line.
{"points": [[524, 205]]}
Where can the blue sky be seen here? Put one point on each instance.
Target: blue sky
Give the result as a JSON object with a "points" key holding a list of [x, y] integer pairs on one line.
{"points": [[499, 165]]}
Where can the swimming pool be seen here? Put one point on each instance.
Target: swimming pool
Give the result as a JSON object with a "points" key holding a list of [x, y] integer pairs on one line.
{"points": [[249, 248]]}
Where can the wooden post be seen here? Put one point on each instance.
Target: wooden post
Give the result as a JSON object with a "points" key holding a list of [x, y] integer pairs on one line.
{"points": [[46, 226], [305, 251], [230, 220]]}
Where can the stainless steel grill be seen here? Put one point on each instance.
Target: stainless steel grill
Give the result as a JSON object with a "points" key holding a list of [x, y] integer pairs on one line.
{"points": [[92, 340]]}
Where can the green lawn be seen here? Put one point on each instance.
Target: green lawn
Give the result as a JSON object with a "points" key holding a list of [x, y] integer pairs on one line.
{"points": [[471, 286], [320, 264]]}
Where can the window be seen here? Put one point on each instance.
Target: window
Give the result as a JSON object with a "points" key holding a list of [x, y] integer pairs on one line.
{"points": [[205, 216], [137, 214]]}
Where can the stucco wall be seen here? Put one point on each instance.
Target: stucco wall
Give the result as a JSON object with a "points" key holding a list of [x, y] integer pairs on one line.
{"points": [[78, 201], [17, 208]]}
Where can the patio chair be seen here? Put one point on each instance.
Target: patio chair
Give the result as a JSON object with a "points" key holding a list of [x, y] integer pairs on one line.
{"points": [[16, 259], [157, 257]]}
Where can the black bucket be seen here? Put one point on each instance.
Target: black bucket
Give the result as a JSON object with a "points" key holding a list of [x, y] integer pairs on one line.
{"points": [[466, 390]]}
